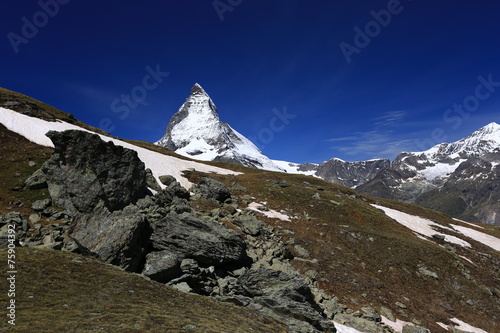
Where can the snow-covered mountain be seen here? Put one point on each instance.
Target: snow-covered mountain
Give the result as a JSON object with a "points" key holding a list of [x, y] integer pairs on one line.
{"points": [[197, 132], [459, 178]]}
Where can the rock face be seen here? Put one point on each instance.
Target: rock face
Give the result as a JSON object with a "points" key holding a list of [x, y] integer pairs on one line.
{"points": [[119, 238], [196, 131], [209, 243], [84, 171], [459, 178], [351, 174]]}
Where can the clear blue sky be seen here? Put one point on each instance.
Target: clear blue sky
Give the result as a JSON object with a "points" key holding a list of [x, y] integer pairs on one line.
{"points": [[256, 56]]}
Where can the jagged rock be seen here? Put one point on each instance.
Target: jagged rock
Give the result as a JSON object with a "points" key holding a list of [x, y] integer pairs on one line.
{"points": [[151, 181], [40, 205], [283, 296], [360, 323], [386, 312], [207, 242], [84, 170], [249, 224], [36, 181], [414, 329], [212, 189], [118, 238], [162, 266]]}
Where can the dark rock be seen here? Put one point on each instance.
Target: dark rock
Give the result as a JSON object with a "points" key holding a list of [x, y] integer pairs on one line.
{"points": [[207, 242], [213, 189], [285, 297], [151, 181], [167, 180], [118, 238], [36, 181], [84, 170], [162, 266], [249, 224], [40, 205]]}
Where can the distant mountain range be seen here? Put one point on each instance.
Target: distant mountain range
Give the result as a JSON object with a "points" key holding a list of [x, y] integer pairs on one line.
{"points": [[460, 178]]}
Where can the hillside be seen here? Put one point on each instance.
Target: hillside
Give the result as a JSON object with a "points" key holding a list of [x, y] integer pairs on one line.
{"points": [[361, 261]]}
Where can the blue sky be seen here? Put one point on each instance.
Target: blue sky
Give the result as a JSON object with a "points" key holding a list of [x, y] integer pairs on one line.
{"points": [[354, 79]]}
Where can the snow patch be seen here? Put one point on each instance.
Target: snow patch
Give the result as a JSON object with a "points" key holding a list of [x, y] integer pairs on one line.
{"points": [[421, 225], [34, 129], [439, 170], [479, 236], [269, 213], [397, 325], [462, 326]]}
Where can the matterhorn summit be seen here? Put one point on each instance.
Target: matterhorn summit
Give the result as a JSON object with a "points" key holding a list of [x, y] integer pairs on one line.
{"points": [[196, 131]]}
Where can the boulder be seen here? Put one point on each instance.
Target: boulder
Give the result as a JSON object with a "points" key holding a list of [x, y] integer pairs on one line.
{"points": [[119, 238], [249, 224], [85, 170], [36, 181], [212, 189], [40, 205], [162, 266], [207, 242]]}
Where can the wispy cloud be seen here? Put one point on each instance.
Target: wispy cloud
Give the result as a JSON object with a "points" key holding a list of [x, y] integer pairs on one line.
{"points": [[382, 141]]}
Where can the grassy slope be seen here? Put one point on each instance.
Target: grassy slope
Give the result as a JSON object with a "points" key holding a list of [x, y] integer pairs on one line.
{"points": [[58, 291], [362, 256]]}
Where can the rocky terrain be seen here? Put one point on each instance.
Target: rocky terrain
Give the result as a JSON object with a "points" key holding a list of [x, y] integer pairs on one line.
{"points": [[265, 247]]}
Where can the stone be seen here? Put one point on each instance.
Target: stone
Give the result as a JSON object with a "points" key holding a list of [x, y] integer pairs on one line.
{"points": [[40, 205], [34, 218], [212, 189], [183, 286], [386, 312], [249, 224], [162, 266], [167, 179], [36, 181], [208, 242], [84, 170], [400, 305], [119, 238], [285, 297], [414, 329], [151, 181], [301, 251]]}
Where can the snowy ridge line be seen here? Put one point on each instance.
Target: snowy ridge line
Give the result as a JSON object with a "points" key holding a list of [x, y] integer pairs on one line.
{"points": [[34, 129]]}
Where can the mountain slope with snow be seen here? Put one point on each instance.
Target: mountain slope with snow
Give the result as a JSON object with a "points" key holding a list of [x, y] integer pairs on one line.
{"points": [[461, 178], [197, 132], [34, 129]]}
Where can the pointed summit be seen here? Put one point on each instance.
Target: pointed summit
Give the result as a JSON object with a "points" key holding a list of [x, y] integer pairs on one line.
{"points": [[196, 131], [197, 90]]}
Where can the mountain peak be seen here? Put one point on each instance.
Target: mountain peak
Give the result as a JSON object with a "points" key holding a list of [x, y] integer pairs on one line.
{"points": [[198, 90], [196, 131]]}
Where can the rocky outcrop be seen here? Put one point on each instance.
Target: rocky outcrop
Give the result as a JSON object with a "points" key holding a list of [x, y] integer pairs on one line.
{"points": [[85, 171], [209, 243]]}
